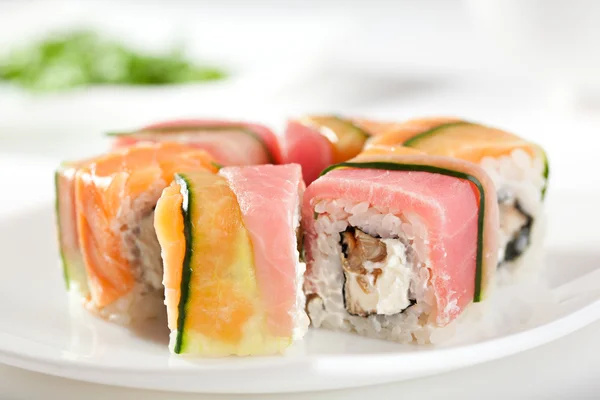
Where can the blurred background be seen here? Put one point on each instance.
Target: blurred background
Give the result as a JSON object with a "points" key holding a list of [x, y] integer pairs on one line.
{"points": [[72, 70]]}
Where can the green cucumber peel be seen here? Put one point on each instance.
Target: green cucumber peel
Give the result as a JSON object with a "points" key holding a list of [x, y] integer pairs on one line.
{"points": [[60, 244], [417, 138], [546, 173], [186, 273], [357, 128], [413, 142]]}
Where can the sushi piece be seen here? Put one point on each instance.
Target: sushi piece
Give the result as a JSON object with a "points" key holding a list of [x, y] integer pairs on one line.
{"points": [[231, 143], [518, 168], [399, 245], [232, 275], [316, 142], [111, 256]]}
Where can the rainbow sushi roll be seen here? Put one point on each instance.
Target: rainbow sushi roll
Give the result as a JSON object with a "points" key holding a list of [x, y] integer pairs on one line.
{"points": [[229, 142], [398, 244], [402, 229], [518, 168], [232, 275]]}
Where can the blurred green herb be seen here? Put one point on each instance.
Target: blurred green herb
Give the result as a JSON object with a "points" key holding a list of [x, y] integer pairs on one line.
{"points": [[83, 58]]}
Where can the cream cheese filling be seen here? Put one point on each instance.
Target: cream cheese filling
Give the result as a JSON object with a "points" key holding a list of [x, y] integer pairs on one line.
{"points": [[384, 287]]}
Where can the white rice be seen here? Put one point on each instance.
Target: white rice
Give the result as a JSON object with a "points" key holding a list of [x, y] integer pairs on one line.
{"points": [[135, 221], [326, 278], [301, 320], [521, 177], [139, 305]]}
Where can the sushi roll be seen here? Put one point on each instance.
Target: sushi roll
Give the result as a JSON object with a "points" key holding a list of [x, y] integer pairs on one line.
{"points": [[398, 244], [230, 142], [111, 257], [518, 168], [232, 275], [316, 142]]}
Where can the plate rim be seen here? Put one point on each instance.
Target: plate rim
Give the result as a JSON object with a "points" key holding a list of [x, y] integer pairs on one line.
{"points": [[326, 365]]}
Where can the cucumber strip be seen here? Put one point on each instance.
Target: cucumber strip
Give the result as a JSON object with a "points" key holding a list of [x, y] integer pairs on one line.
{"points": [[63, 257], [546, 173], [337, 124], [216, 165], [390, 166], [74, 271], [205, 129], [346, 138], [353, 126], [413, 141], [186, 272]]}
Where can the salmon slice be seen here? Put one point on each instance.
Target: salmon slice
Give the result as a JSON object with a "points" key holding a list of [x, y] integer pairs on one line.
{"points": [[169, 225], [470, 142], [390, 133], [386, 150], [115, 197], [452, 137], [230, 142]]}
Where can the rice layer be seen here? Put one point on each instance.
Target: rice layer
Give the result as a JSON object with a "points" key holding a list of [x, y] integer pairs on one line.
{"points": [[519, 181], [325, 280]]}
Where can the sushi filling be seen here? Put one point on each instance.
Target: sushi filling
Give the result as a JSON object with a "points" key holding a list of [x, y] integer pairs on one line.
{"points": [[140, 247], [140, 243], [370, 273], [147, 252], [377, 274], [519, 179], [515, 225]]}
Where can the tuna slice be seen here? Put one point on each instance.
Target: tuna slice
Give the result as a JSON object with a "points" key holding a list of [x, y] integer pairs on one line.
{"points": [[317, 141], [269, 201], [309, 148]]}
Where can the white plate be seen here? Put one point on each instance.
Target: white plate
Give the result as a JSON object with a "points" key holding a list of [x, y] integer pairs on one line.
{"points": [[40, 331]]}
